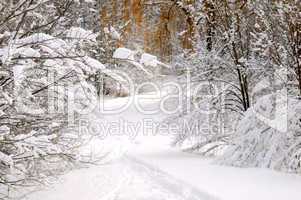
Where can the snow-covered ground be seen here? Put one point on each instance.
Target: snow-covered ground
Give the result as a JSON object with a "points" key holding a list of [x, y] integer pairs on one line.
{"points": [[141, 165], [226, 183], [124, 179]]}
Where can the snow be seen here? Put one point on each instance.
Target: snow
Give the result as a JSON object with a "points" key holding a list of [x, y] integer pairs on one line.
{"points": [[268, 136], [19, 73], [21, 47], [149, 60], [146, 167], [141, 67], [8, 52], [3, 54], [261, 85], [95, 64], [146, 60], [8, 99], [114, 75], [223, 182], [28, 52], [6, 159], [112, 32], [124, 53], [39, 38], [124, 180], [77, 33], [4, 130], [117, 176], [226, 183]]}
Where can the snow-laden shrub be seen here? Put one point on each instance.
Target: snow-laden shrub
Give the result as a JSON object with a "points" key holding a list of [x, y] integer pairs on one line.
{"points": [[34, 141], [44, 57], [210, 111], [204, 130], [268, 136]]}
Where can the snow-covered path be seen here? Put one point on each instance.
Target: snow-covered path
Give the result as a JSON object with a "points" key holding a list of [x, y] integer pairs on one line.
{"points": [[121, 176], [141, 166], [125, 179]]}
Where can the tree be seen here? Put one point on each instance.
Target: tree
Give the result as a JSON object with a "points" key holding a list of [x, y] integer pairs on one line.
{"points": [[44, 57]]}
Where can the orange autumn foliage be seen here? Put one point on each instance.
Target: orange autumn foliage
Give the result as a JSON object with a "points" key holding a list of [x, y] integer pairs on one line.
{"points": [[156, 32]]}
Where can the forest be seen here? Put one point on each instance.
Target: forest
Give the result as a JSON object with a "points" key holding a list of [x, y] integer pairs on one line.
{"points": [[107, 99]]}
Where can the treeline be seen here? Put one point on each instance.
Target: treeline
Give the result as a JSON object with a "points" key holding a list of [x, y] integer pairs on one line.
{"points": [[248, 53]]}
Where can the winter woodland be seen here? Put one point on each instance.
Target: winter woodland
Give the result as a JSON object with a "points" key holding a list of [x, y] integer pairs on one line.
{"points": [[224, 76]]}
